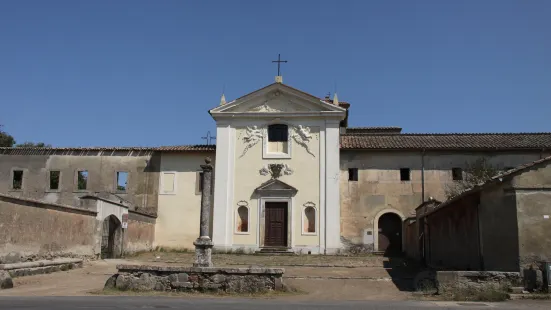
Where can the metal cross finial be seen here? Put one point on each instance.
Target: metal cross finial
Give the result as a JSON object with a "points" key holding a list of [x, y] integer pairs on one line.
{"points": [[208, 138], [279, 61]]}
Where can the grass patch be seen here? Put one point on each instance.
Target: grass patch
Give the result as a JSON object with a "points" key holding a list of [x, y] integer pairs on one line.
{"points": [[489, 293], [534, 296], [287, 291]]}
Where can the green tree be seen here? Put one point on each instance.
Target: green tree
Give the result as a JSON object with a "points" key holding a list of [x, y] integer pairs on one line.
{"points": [[475, 172], [32, 144], [6, 140]]}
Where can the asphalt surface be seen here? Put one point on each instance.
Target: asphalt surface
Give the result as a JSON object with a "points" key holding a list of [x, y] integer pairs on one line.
{"points": [[132, 302]]}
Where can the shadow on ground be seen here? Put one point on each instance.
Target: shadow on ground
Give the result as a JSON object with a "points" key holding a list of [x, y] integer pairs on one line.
{"points": [[403, 272]]}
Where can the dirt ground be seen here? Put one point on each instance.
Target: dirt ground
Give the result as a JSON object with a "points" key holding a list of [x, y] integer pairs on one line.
{"points": [[359, 278]]}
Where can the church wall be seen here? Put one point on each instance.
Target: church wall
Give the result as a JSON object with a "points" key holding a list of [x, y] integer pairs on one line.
{"points": [[380, 190], [177, 224], [305, 178], [142, 182]]}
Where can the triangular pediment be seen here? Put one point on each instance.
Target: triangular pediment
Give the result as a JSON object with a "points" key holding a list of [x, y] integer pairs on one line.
{"points": [[280, 99], [275, 187]]}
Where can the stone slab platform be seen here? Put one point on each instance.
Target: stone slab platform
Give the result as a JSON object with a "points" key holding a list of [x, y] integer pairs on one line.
{"points": [[9, 271], [227, 270], [40, 263], [41, 266], [181, 278]]}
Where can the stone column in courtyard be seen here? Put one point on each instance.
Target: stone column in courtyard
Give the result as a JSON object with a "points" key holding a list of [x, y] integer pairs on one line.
{"points": [[203, 244]]}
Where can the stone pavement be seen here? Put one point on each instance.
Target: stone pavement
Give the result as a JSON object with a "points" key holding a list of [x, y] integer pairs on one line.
{"points": [[320, 283]]}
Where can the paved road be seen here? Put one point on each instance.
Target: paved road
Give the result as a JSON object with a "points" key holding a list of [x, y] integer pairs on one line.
{"points": [[119, 302]]}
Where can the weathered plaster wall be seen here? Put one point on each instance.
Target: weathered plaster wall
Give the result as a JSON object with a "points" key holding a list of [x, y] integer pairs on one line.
{"points": [[498, 229], [177, 223], [380, 190], [140, 234], [305, 178], [532, 190], [142, 168], [33, 230], [452, 237]]}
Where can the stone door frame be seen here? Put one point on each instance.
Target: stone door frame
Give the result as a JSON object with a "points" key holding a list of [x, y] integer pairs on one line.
{"points": [[262, 219], [376, 227]]}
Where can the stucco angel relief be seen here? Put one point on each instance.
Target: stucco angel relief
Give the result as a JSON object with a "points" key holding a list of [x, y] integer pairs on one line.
{"points": [[265, 108], [302, 137], [253, 135]]}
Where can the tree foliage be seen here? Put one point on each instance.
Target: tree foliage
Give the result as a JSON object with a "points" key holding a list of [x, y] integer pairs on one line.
{"points": [[32, 144], [6, 140], [475, 172]]}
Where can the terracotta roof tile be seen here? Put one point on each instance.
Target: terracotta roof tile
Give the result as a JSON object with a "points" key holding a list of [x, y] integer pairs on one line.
{"points": [[188, 148], [49, 150], [375, 129], [453, 141]]}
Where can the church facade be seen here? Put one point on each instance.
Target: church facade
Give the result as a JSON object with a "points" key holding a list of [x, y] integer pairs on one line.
{"points": [[290, 175], [277, 171]]}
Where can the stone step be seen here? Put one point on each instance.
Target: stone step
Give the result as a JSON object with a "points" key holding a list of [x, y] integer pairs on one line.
{"points": [[275, 251]]}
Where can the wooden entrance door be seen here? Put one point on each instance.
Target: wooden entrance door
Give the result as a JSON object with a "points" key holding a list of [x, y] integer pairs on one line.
{"points": [[275, 224], [390, 234]]}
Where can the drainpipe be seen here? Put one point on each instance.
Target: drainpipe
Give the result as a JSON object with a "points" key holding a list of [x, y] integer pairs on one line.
{"points": [[542, 152], [423, 176], [325, 193]]}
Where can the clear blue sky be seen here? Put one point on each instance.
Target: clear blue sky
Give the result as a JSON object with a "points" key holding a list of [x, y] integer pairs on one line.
{"points": [[136, 73]]}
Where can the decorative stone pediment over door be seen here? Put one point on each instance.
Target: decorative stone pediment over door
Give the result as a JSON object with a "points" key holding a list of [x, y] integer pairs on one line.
{"points": [[275, 188], [278, 100]]}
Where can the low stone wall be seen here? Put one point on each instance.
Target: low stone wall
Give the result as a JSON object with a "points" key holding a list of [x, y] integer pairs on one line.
{"points": [[170, 278], [447, 280]]}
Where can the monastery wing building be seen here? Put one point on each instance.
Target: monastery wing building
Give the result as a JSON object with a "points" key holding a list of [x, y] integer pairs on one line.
{"points": [[290, 175]]}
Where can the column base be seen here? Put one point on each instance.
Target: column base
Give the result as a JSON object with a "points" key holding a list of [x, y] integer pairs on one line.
{"points": [[203, 252]]}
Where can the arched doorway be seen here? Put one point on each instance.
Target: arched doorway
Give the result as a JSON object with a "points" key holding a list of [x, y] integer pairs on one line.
{"points": [[390, 234], [111, 238]]}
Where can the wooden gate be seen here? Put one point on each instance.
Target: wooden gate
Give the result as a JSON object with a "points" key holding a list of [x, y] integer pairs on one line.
{"points": [[110, 237]]}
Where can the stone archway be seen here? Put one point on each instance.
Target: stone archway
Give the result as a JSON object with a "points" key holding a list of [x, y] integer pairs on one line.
{"points": [[387, 232], [390, 234], [111, 238]]}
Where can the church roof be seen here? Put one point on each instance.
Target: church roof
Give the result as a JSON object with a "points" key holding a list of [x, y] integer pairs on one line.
{"points": [[50, 150], [188, 148], [356, 138], [377, 129], [447, 141]]}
